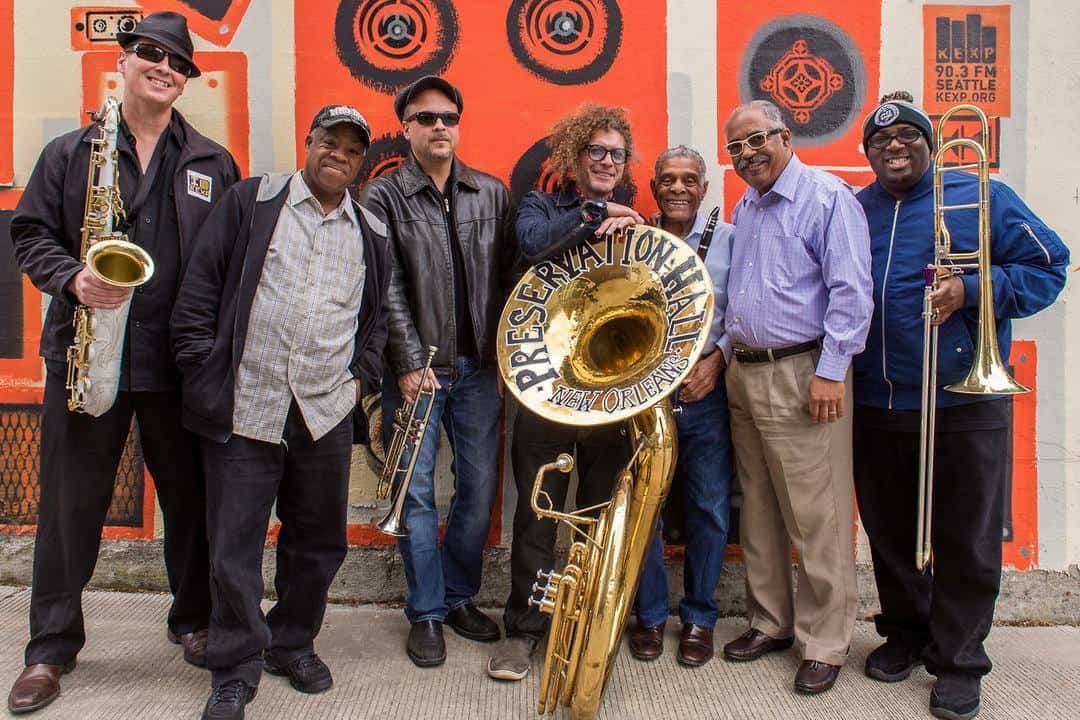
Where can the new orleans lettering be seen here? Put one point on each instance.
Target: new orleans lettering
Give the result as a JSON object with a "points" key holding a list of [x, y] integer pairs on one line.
{"points": [[580, 400], [617, 399]]}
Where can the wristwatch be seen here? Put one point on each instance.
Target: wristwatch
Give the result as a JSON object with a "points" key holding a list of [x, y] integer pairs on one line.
{"points": [[593, 211]]}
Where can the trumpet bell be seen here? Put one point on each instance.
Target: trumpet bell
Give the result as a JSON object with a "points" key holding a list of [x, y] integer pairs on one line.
{"points": [[120, 263]]}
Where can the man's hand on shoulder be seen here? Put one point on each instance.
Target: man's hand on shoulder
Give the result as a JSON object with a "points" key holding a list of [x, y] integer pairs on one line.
{"points": [[96, 293], [619, 217]]}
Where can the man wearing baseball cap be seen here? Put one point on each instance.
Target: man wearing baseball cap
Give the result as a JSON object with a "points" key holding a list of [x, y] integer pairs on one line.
{"points": [[170, 177], [279, 329], [453, 249], [939, 617]]}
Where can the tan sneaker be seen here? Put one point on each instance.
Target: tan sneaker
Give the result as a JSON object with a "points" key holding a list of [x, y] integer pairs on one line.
{"points": [[512, 658]]}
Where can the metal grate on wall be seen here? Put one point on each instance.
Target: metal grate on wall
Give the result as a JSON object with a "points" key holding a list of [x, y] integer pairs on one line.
{"points": [[20, 446]]}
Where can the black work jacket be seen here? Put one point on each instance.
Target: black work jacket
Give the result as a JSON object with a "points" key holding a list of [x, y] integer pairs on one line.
{"points": [[46, 226], [421, 298], [210, 318]]}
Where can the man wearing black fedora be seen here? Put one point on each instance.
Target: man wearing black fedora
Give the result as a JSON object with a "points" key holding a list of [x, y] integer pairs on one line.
{"points": [[170, 176]]}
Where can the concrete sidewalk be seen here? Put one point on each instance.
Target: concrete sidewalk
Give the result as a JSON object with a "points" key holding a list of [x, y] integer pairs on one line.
{"points": [[129, 670]]}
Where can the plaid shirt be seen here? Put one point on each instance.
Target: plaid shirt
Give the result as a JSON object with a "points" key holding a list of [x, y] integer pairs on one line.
{"points": [[303, 321]]}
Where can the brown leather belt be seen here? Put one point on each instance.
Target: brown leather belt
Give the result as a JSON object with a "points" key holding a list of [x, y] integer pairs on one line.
{"points": [[760, 355]]}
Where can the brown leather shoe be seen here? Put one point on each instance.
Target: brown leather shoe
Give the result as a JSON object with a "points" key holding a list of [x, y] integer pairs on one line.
{"points": [[695, 645], [194, 644], [37, 686], [752, 644], [815, 677], [647, 643]]}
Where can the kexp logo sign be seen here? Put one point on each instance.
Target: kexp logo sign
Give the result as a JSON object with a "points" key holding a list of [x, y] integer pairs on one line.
{"points": [[967, 58], [811, 70]]}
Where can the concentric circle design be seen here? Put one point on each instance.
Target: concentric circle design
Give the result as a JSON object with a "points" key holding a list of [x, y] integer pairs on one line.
{"points": [[812, 69], [567, 42], [387, 44], [531, 172], [387, 152]]}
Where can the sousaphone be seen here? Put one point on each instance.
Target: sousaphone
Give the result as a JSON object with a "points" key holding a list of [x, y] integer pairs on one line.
{"points": [[603, 334]]}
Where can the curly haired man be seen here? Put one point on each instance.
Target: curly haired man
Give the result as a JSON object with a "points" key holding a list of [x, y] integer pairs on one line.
{"points": [[589, 150]]}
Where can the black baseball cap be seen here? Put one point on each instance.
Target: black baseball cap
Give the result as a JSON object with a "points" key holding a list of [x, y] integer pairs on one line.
{"points": [[332, 115], [167, 29], [428, 82]]}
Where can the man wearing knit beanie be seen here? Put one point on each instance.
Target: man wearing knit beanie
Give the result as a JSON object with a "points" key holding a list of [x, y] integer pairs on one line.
{"points": [[939, 617]]}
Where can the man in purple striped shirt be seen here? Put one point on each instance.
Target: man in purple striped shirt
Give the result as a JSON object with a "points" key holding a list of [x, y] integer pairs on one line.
{"points": [[799, 306]]}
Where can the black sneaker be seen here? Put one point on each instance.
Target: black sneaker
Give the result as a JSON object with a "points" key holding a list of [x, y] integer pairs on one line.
{"points": [[892, 662], [227, 701], [307, 673], [468, 622], [955, 697]]}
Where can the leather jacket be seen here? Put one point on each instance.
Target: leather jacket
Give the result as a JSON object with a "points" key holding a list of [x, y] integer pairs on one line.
{"points": [[420, 299]]}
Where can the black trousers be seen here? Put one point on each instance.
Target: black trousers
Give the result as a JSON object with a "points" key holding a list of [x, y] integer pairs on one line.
{"points": [[79, 459], [309, 480], [946, 612], [600, 454]]}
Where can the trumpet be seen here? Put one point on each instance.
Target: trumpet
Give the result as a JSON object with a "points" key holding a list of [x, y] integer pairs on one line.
{"points": [[409, 429], [988, 374]]}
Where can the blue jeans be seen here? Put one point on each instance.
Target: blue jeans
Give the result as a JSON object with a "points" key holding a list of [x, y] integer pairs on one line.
{"points": [[443, 578], [704, 463]]}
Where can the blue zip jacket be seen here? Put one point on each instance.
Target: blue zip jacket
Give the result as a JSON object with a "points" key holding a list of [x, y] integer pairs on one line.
{"points": [[1028, 264]]}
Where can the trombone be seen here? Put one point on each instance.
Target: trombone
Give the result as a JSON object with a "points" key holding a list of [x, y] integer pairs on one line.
{"points": [[988, 375]]}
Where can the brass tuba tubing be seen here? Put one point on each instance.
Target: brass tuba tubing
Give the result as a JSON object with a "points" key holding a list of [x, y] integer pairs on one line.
{"points": [[988, 374], [606, 343]]}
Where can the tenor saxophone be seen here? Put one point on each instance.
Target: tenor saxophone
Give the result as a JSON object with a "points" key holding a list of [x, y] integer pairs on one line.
{"points": [[93, 371]]}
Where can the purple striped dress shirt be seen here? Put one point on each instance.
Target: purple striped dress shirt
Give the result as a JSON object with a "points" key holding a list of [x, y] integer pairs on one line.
{"points": [[800, 268]]}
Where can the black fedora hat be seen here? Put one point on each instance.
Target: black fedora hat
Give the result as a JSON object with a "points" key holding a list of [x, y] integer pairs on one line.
{"points": [[168, 29], [428, 82]]}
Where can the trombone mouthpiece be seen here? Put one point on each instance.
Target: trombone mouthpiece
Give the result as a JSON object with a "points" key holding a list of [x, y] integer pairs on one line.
{"points": [[928, 274]]}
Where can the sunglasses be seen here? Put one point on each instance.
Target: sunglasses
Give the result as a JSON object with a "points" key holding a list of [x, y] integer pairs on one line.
{"points": [[154, 54], [598, 152], [756, 141], [428, 119], [906, 136]]}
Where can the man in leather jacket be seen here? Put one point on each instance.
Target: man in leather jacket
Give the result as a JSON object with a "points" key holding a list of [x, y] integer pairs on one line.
{"points": [[451, 251]]}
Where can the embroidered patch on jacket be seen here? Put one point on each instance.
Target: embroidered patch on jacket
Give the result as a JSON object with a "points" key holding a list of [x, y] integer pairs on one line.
{"points": [[199, 185]]}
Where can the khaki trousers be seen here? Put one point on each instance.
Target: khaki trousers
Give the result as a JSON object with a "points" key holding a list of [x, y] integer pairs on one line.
{"points": [[793, 496]]}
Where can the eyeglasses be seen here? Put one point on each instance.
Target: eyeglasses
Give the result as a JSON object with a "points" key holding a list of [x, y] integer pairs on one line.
{"points": [[598, 152], [880, 140], [428, 119], [754, 142], [154, 54]]}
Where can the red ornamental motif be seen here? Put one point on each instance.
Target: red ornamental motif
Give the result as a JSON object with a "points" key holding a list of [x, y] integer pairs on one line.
{"points": [[802, 82]]}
